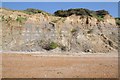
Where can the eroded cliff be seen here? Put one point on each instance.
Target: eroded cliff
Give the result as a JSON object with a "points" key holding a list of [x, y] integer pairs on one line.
{"points": [[44, 32]]}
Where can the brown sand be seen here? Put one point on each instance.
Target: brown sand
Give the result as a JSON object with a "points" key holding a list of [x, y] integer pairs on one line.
{"points": [[0, 65], [28, 66]]}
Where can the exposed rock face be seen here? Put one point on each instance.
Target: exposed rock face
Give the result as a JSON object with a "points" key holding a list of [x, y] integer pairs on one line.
{"points": [[43, 32]]}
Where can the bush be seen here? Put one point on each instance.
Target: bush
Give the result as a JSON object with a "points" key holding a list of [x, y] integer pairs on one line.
{"points": [[102, 12], [80, 11], [69, 12], [21, 19], [2, 18], [48, 45], [61, 13], [34, 11], [117, 21], [53, 45], [99, 15], [100, 18]]}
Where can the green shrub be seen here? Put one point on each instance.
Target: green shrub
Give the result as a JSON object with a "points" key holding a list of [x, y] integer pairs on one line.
{"points": [[53, 45], [102, 12], [80, 11], [100, 18], [28, 12], [117, 21], [21, 19], [48, 45], [99, 15], [34, 11], [69, 12], [2, 18]]}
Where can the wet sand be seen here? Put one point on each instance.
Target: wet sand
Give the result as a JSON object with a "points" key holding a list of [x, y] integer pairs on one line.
{"points": [[40, 66]]}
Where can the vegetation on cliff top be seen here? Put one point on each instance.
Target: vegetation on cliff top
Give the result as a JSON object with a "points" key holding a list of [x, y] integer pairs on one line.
{"points": [[69, 12], [34, 11], [99, 15], [80, 11]]}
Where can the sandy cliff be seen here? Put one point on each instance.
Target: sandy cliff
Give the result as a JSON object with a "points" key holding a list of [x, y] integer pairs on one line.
{"points": [[45, 32]]}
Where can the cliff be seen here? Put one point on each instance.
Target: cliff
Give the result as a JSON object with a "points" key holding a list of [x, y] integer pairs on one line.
{"points": [[35, 30]]}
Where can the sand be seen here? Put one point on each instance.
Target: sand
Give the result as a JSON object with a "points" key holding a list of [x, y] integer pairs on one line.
{"points": [[58, 66], [0, 65]]}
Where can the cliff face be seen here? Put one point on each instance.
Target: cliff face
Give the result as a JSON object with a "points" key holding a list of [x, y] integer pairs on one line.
{"points": [[43, 32]]}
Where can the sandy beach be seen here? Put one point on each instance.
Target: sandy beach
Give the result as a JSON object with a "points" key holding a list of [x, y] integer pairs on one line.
{"points": [[34, 66], [0, 65]]}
